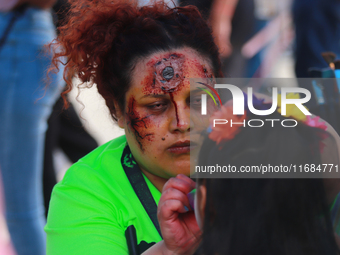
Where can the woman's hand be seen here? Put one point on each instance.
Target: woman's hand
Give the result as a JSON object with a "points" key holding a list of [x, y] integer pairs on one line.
{"points": [[222, 33], [178, 224], [222, 13]]}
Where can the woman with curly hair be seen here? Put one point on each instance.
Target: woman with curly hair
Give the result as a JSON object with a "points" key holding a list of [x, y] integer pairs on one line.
{"points": [[141, 59]]}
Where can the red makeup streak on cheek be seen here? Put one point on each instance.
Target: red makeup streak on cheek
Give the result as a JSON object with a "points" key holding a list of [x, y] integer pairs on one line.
{"points": [[139, 124]]}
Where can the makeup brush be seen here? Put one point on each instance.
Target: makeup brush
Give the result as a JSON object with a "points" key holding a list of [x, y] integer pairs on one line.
{"points": [[316, 73], [329, 57], [331, 94], [337, 72]]}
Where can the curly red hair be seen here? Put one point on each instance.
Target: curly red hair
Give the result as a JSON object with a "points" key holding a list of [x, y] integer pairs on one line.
{"points": [[101, 40]]}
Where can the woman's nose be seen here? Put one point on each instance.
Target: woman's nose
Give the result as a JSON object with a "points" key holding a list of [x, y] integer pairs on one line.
{"points": [[180, 121]]}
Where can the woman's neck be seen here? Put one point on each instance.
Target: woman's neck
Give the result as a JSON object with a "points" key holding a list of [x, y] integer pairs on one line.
{"points": [[157, 181]]}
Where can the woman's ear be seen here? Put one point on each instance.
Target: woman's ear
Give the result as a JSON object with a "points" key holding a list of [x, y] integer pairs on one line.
{"points": [[120, 116]]}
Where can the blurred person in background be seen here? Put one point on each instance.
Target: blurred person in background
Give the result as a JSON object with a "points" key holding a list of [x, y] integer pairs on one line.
{"points": [[25, 27], [65, 130], [317, 30], [233, 23], [6, 246]]}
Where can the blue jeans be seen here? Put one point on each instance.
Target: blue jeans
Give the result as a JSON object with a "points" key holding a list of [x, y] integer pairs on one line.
{"points": [[25, 105]]}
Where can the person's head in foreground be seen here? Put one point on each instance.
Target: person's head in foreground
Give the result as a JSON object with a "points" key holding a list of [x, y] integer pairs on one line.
{"points": [[269, 215]]}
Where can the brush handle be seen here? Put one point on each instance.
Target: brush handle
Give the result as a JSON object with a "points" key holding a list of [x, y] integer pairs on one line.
{"points": [[337, 77], [191, 197], [318, 92]]}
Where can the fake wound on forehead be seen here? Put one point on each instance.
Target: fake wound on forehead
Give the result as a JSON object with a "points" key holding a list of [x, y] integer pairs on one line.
{"points": [[168, 72]]}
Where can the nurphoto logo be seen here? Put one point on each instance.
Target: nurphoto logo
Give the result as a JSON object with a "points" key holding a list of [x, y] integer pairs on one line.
{"points": [[239, 105]]}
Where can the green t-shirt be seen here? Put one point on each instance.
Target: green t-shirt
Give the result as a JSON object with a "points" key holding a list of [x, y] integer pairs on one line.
{"points": [[93, 205]]}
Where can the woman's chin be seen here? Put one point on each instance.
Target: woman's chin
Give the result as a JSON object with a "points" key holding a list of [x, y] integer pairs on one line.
{"points": [[181, 167]]}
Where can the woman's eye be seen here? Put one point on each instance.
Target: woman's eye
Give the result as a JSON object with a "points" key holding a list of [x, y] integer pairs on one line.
{"points": [[195, 101], [157, 106]]}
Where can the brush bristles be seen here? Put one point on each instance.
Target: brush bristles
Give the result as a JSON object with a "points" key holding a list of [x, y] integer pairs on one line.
{"points": [[329, 57]]}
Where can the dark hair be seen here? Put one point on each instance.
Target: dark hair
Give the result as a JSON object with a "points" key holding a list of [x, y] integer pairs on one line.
{"points": [[266, 216], [102, 40]]}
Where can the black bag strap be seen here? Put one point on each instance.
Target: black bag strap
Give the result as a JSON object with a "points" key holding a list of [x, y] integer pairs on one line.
{"points": [[16, 14], [131, 239], [140, 187]]}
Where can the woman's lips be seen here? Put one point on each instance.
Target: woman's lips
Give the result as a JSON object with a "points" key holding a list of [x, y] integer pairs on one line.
{"points": [[182, 147]]}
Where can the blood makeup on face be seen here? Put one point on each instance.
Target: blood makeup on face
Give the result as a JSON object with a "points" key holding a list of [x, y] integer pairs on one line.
{"points": [[166, 75], [138, 124]]}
